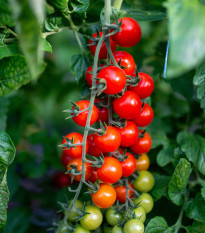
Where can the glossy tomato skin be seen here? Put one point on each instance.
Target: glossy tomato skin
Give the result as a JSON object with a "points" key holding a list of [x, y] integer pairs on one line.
{"points": [[126, 60], [105, 197], [145, 117], [140, 213], [143, 162], [81, 118], [134, 225], [145, 87], [112, 217], [129, 165], [103, 49], [103, 113], [129, 134], [61, 180], [117, 229], [110, 141], [146, 201], [129, 34], [121, 193], [78, 163], [65, 159], [142, 145], [111, 170], [145, 182], [93, 150], [74, 152], [115, 79], [128, 106]]}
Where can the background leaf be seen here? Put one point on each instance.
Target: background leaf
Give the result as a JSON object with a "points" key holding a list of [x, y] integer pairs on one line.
{"points": [[4, 103], [145, 15], [196, 227], [6, 17], [160, 187], [158, 225]]}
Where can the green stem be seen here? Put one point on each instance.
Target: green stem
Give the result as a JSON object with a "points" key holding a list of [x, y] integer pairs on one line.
{"points": [[126, 202], [117, 4]]}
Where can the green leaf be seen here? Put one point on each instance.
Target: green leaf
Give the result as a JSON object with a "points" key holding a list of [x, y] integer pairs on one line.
{"points": [[185, 52], [194, 148], [196, 227], [158, 225], [199, 80], [165, 156], [9, 50], [29, 16], [203, 191], [195, 208], [179, 181], [54, 23], [5, 14], [160, 187], [46, 46], [61, 5], [145, 15], [4, 103], [79, 6]]}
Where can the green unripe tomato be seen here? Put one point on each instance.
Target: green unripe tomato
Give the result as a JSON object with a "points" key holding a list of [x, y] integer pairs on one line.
{"points": [[73, 212], [92, 220], [140, 214], [117, 229], [146, 201], [145, 182], [112, 218], [107, 229], [80, 229], [134, 226]]}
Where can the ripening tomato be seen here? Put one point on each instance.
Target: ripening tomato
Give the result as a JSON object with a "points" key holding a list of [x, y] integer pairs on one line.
{"points": [[93, 150], [129, 34], [65, 159], [105, 196], [108, 142], [145, 117], [61, 180], [111, 170], [128, 106], [121, 193], [129, 134], [126, 60], [103, 49], [81, 118], [143, 162], [143, 144], [89, 75], [115, 79], [94, 176], [145, 87], [145, 182], [128, 165], [74, 152], [78, 163]]}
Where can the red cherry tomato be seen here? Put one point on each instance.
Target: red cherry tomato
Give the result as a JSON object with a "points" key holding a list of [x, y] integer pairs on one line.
{"points": [[143, 162], [126, 60], [145, 117], [65, 159], [89, 75], [78, 163], [111, 170], [103, 49], [129, 165], [94, 176], [93, 150], [128, 106], [145, 87], [142, 145], [115, 79], [103, 113], [129, 134], [110, 141], [61, 180], [81, 118], [104, 197], [129, 34], [76, 151], [121, 193]]}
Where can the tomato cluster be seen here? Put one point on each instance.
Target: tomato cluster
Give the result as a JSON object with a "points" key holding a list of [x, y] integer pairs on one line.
{"points": [[116, 163]]}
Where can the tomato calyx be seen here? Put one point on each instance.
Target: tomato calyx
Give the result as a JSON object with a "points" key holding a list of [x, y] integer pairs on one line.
{"points": [[95, 39], [74, 171], [97, 161], [120, 124], [121, 156], [133, 81], [69, 144], [100, 86], [74, 111], [115, 27], [141, 134]]}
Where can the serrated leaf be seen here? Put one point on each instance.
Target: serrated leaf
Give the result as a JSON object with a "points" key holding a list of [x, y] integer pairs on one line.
{"points": [[79, 6], [158, 225], [195, 208], [54, 23], [9, 50], [145, 15], [165, 156], [185, 53], [61, 5], [160, 187], [194, 148], [29, 15], [179, 181], [4, 103], [196, 227], [5, 14]]}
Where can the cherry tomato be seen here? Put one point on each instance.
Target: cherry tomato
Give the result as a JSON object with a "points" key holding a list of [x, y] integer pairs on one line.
{"points": [[121, 193], [140, 213], [73, 214], [78, 163], [145, 182], [145, 117], [128, 106], [129, 134], [134, 225], [89, 75], [129, 165], [142, 145], [129, 34], [117, 229], [65, 159], [111, 170], [80, 229], [61, 180], [126, 60], [81, 118], [112, 217], [143, 162], [105, 197], [92, 220], [93, 150], [103, 113], [146, 201], [110, 141], [115, 79], [145, 87], [94, 176], [103, 49]]}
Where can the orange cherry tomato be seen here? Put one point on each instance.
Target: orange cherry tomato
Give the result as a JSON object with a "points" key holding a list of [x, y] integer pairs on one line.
{"points": [[143, 162]]}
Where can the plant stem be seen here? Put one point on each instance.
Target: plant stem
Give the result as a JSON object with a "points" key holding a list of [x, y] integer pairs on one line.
{"points": [[117, 4], [127, 201]]}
